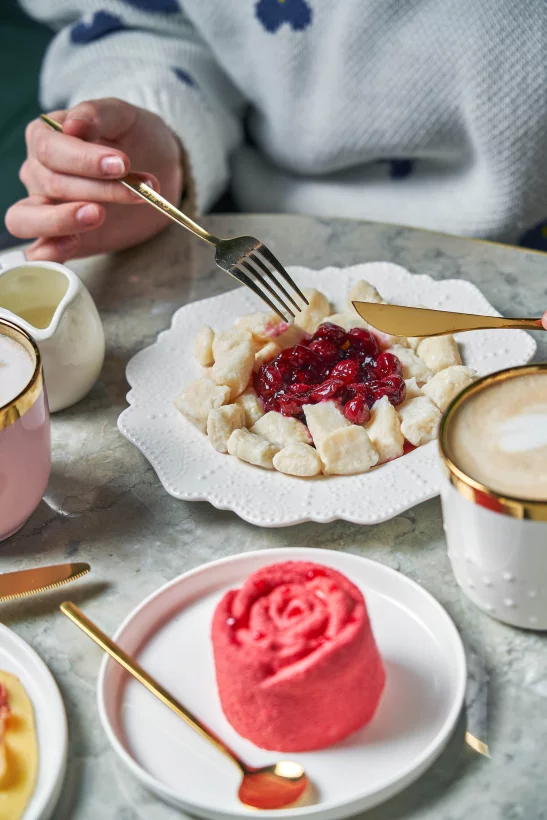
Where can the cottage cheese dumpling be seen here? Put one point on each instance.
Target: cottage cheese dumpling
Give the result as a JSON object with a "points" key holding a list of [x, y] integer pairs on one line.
{"points": [[297, 666]]}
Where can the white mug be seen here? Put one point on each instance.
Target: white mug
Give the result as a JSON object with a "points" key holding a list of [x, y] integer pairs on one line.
{"points": [[497, 545], [53, 306]]}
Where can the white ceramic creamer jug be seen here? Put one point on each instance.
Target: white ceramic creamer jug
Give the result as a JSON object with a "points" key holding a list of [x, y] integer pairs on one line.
{"points": [[52, 304]]}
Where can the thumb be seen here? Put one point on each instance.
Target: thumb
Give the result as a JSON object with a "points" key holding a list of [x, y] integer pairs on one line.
{"points": [[107, 118], [544, 320]]}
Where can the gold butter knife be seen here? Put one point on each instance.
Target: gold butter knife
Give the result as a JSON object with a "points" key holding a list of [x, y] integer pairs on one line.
{"points": [[411, 321], [27, 582]]}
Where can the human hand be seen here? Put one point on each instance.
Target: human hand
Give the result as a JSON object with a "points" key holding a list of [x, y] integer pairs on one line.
{"points": [[544, 320], [75, 207]]}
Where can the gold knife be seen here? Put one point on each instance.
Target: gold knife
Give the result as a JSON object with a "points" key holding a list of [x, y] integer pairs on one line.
{"points": [[27, 582], [411, 321]]}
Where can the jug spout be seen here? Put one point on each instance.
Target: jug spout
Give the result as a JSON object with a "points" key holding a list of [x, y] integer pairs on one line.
{"points": [[35, 295], [51, 303]]}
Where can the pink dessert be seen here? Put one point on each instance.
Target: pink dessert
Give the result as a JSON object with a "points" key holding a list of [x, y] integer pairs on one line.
{"points": [[297, 665]]}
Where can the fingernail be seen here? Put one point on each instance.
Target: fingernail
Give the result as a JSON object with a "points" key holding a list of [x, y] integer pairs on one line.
{"points": [[151, 184], [87, 214], [112, 166]]}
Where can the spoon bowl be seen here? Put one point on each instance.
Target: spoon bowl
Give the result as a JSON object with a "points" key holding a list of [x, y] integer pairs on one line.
{"points": [[273, 787]]}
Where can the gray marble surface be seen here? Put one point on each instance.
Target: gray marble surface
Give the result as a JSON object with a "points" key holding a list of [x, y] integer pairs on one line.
{"points": [[105, 505]]}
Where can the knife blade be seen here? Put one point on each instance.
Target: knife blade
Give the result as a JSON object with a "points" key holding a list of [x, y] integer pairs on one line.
{"points": [[410, 321], [25, 582]]}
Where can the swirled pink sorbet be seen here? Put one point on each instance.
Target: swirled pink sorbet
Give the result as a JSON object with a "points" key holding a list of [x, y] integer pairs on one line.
{"points": [[296, 662]]}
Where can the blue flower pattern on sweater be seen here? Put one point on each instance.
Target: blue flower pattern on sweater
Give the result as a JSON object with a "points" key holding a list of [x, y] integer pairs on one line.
{"points": [[101, 24], [274, 13], [184, 77], [160, 6]]}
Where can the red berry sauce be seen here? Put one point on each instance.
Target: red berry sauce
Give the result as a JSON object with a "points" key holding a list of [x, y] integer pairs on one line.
{"points": [[331, 365]]}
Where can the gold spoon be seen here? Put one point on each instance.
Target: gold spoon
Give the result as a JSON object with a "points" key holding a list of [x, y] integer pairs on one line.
{"points": [[269, 787]]}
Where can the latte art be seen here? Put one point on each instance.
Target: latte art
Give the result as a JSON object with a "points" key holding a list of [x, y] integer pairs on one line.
{"points": [[499, 437]]}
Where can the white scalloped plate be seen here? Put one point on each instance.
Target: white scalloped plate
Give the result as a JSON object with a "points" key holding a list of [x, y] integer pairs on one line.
{"points": [[190, 469]]}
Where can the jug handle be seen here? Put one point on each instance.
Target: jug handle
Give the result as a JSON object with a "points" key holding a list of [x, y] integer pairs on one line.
{"points": [[11, 260]]}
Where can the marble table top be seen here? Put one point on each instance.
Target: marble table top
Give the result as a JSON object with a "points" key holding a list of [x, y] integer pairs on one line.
{"points": [[105, 505]]}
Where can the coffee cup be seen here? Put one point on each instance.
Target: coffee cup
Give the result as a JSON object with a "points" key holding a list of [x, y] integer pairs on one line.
{"points": [[493, 446], [25, 448]]}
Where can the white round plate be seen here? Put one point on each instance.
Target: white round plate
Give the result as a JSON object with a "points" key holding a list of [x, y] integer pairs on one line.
{"points": [[189, 468], [18, 658], [170, 634]]}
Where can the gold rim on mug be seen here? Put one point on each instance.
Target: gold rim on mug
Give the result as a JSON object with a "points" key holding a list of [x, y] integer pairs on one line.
{"points": [[17, 407], [480, 494]]}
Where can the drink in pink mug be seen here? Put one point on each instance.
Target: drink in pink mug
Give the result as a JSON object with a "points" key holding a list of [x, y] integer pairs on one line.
{"points": [[25, 447]]}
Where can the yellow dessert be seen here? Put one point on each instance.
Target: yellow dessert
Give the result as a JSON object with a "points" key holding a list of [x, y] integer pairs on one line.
{"points": [[18, 748]]}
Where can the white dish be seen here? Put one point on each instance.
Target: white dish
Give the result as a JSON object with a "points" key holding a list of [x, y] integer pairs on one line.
{"points": [[18, 658], [190, 469], [170, 634]]}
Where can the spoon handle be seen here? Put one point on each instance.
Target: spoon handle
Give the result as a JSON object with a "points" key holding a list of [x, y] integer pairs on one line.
{"points": [[77, 616]]}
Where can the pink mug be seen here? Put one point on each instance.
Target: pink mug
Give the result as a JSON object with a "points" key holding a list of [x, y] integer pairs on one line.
{"points": [[25, 444]]}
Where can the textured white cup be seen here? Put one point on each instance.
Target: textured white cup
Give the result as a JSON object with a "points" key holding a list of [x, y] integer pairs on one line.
{"points": [[497, 545], [500, 562]]}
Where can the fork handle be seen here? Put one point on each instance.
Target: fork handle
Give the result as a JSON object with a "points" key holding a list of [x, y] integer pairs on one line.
{"points": [[157, 201], [149, 195]]}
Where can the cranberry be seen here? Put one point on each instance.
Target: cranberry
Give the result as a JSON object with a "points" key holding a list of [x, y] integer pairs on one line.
{"points": [[363, 390], [327, 390], [260, 385], [285, 356], [388, 365], [270, 403], [363, 340], [298, 387], [310, 376], [284, 367], [326, 350], [292, 405], [301, 356], [272, 377], [332, 332], [395, 389], [356, 410], [368, 371], [347, 371]]}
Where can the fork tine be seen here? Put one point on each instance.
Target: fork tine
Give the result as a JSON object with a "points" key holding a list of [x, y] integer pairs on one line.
{"points": [[242, 277], [269, 257], [250, 266], [258, 263]]}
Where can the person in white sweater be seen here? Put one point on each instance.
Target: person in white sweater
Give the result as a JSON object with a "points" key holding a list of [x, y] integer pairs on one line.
{"points": [[429, 114]]}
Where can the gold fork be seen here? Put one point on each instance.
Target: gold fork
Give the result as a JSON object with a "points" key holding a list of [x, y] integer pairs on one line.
{"points": [[411, 321], [245, 258]]}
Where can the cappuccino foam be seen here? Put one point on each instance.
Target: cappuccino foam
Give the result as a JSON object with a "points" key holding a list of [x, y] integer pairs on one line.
{"points": [[16, 369], [499, 437]]}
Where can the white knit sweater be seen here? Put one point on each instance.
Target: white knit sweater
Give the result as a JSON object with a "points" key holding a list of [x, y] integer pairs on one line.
{"points": [[431, 113]]}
